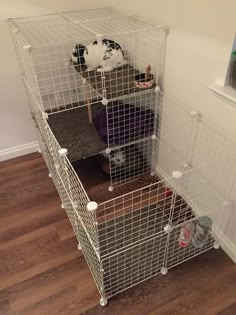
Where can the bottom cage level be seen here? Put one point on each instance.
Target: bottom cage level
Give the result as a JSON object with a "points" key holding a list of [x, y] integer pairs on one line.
{"points": [[155, 255]]}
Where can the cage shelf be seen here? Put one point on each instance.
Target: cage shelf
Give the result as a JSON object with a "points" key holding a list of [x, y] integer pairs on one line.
{"points": [[119, 82], [73, 131]]}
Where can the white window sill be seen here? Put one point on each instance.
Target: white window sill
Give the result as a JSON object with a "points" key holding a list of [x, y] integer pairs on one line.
{"points": [[225, 92]]}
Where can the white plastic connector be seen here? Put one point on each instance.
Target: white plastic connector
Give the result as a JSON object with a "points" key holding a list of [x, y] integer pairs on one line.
{"points": [[62, 206], [154, 137], [195, 113], [45, 116], [167, 228], [49, 175], [63, 152], [177, 174], [79, 246], [157, 89], [186, 166], [110, 188], [225, 203], [15, 30], [164, 271], [103, 301], [57, 166], [27, 48], [104, 101], [99, 38], [216, 245], [92, 206], [84, 81], [108, 151]]}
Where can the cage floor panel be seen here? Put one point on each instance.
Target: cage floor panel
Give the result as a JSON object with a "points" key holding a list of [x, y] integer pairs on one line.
{"points": [[96, 182], [74, 132], [118, 82]]}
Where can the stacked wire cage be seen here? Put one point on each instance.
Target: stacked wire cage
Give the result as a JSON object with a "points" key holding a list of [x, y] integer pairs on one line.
{"points": [[172, 154]]}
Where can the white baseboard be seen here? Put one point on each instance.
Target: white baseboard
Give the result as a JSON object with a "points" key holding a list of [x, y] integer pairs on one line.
{"points": [[228, 247], [18, 151]]}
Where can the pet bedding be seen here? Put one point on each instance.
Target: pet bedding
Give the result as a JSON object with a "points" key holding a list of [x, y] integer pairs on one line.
{"points": [[82, 139]]}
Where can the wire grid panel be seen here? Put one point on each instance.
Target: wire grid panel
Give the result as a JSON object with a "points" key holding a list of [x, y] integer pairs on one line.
{"points": [[70, 182], [47, 64], [58, 184], [26, 63], [217, 152], [130, 125], [92, 14], [140, 49], [133, 265], [66, 202], [91, 256], [133, 217], [47, 29], [61, 84], [175, 254], [177, 131], [82, 235], [196, 142]]}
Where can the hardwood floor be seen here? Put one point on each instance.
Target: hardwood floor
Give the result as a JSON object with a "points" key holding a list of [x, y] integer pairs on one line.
{"points": [[42, 272]]}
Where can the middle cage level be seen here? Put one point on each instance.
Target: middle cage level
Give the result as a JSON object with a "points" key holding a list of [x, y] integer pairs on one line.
{"points": [[122, 135]]}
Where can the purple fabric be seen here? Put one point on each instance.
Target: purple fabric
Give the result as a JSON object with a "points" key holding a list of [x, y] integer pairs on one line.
{"points": [[126, 123]]}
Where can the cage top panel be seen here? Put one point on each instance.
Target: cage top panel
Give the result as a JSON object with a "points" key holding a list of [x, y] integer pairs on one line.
{"points": [[92, 14], [75, 26], [49, 29], [107, 21]]}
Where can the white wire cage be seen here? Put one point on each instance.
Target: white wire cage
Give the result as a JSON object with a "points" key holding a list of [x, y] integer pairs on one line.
{"points": [[134, 235]]}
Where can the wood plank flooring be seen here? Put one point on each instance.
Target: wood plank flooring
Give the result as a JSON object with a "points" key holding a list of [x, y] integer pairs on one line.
{"points": [[42, 272]]}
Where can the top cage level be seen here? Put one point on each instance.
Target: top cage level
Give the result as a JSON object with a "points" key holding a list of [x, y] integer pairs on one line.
{"points": [[44, 45]]}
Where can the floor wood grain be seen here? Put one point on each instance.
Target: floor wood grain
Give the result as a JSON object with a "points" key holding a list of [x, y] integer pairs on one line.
{"points": [[42, 272]]}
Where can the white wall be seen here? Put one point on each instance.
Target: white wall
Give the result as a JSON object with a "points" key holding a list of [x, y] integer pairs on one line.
{"points": [[16, 128], [201, 35]]}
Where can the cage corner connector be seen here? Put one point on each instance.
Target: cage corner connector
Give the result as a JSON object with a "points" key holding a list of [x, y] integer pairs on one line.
{"points": [[92, 206], [63, 152]]}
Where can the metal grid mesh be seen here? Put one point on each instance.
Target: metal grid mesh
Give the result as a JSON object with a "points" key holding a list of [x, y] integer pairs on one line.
{"points": [[92, 15], [176, 255], [74, 188], [129, 238], [91, 256], [82, 222], [60, 84], [48, 29], [133, 265], [133, 217], [131, 124]]}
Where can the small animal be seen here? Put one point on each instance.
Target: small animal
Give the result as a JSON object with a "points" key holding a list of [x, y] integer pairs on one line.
{"points": [[103, 56], [116, 157], [122, 163]]}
